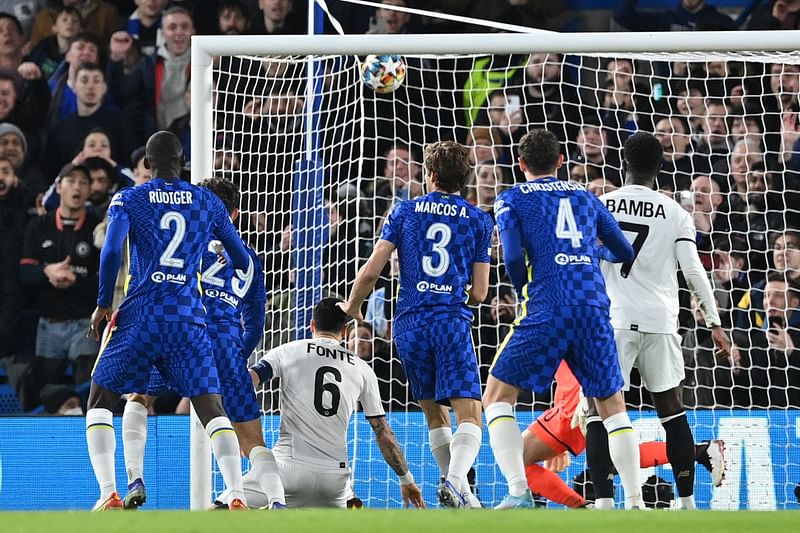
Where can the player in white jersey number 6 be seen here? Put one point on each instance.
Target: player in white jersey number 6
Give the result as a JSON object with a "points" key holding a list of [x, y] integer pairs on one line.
{"points": [[644, 311], [321, 385]]}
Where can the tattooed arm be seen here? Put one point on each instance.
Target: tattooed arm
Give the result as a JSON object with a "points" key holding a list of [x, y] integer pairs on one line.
{"points": [[396, 459]]}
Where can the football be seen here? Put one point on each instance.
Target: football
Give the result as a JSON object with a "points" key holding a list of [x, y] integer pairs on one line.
{"points": [[383, 73]]}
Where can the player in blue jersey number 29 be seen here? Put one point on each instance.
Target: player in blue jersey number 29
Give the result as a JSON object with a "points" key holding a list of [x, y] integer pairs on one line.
{"points": [[443, 246]]}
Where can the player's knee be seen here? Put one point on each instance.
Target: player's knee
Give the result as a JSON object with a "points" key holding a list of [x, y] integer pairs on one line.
{"points": [[143, 399], [208, 407]]}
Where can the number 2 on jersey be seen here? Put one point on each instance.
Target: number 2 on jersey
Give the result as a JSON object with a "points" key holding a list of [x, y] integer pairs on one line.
{"points": [[441, 234], [167, 219], [641, 231], [566, 227]]}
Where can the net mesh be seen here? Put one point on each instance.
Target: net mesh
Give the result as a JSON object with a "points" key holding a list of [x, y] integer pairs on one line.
{"points": [[729, 126]]}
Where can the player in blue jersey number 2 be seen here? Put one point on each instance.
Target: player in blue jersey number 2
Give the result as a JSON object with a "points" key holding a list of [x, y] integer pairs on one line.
{"points": [[443, 246], [549, 230], [161, 320]]}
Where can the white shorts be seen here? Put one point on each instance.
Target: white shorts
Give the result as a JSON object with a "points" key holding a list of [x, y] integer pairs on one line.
{"points": [[658, 357], [304, 487]]}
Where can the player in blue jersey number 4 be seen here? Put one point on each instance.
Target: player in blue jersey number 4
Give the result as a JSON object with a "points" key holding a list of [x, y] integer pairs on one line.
{"points": [[443, 247], [549, 230]]}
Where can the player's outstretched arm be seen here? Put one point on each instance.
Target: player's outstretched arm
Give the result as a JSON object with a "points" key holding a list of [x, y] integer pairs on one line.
{"points": [[514, 258], [367, 277], [395, 458], [616, 248], [253, 317]]}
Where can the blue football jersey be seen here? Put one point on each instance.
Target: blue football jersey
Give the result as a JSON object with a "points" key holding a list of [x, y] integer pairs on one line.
{"points": [[231, 297], [170, 224], [558, 224], [438, 239]]}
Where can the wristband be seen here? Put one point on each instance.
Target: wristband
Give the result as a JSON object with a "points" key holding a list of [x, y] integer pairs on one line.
{"points": [[407, 478]]}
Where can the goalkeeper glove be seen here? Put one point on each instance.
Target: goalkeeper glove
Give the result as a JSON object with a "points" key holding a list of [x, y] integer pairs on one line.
{"points": [[581, 414]]}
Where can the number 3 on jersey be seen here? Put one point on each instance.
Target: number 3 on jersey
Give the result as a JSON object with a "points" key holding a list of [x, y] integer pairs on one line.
{"points": [[566, 227], [441, 235]]}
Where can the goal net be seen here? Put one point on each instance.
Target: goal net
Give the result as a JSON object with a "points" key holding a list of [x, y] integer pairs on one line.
{"points": [[320, 158]]}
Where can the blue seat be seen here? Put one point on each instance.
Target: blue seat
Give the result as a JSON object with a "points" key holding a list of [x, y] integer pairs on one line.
{"points": [[9, 405]]}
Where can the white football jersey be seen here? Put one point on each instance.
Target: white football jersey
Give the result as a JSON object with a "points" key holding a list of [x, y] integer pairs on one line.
{"points": [[644, 292], [321, 385]]}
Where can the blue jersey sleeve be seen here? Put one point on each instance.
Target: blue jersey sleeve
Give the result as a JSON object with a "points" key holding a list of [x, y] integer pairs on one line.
{"points": [[227, 234], [253, 308], [111, 253], [511, 238], [484, 248], [392, 225], [618, 249]]}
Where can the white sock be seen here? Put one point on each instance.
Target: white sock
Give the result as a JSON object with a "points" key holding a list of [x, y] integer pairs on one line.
{"points": [[134, 438], [102, 444], [439, 439], [604, 503], [265, 469], [687, 502], [464, 449], [226, 450], [506, 441], [623, 446]]}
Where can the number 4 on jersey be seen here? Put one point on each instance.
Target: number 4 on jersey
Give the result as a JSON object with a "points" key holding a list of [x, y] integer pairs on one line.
{"points": [[566, 227]]}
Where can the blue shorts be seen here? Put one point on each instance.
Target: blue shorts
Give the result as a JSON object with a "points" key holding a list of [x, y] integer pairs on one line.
{"points": [[439, 360], [236, 386], [530, 354], [180, 351]]}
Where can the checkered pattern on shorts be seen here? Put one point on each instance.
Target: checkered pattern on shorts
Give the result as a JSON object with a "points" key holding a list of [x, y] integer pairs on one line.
{"points": [[530, 355], [180, 351], [439, 360], [238, 394]]}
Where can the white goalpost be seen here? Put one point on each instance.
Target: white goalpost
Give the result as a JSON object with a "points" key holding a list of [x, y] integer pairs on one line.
{"points": [[319, 158]]}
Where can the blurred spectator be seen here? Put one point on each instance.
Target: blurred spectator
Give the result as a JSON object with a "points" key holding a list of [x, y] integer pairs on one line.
{"points": [[132, 84], [60, 262], [340, 256], [172, 67], [360, 340], [600, 186], [401, 179], [278, 17], [592, 150], [732, 172], [381, 303], [83, 49], [24, 103], [786, 262], [141, 174], [547, 102], [679, 163], [715, 139], [730, 275], [488, 180], [504, 115], [144, 25], [14, 148], [704, 201], [99, 18], [391, 21], [687, 15], [50, 51], [784, 84], [690, 102], [485, 144], [64, 138], [392, 382], [24, 11], [12, 40], [773, 358], [775, 15], [61, 400], [708, 380], [233, 17]]}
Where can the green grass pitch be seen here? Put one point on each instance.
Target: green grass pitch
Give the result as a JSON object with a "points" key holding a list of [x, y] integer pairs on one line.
{"points": [[375, 521]]}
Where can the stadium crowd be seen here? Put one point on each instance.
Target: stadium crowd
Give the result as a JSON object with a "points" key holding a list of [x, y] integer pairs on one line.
{"points": [[83, 83]]}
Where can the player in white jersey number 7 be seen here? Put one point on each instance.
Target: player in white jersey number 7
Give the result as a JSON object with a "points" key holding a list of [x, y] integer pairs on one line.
{"points": [[321, 385], [644, 311]]}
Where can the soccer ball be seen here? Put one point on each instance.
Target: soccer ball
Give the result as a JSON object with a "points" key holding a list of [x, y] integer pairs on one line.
{"points": [[383, 73]]}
